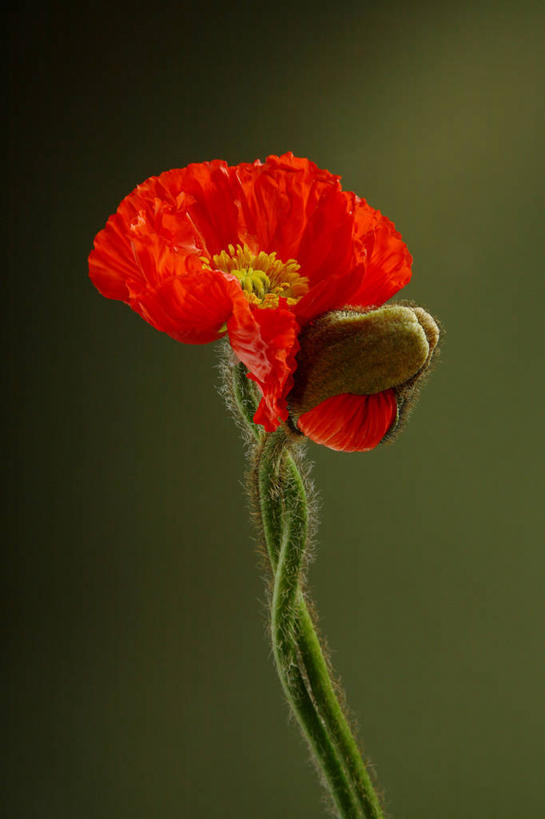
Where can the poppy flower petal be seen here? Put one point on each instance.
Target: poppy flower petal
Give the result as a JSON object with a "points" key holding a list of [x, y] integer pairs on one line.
{"points": [[187, 212], [326, 247], [192, 308], [112, 264], [350, 423], [266, 342], [331, 293], [280, 197], [173, 293], [192, 208], [388, 262]]}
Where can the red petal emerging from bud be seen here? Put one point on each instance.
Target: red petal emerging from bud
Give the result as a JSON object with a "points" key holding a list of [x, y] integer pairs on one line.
{"points": [[350, 423]]}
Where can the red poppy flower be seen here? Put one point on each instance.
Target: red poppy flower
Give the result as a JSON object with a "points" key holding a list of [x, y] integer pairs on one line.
{"points": [[256, 250]]}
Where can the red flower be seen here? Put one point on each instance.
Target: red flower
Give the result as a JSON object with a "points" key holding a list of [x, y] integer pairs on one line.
{"points": [[256, 250]]}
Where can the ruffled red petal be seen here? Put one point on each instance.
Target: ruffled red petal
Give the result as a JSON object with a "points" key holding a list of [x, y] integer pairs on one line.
{"points": [[112, 264], [172, 293], [326, 246], [292, 207], [388, 262], [266, 342], [277, 199], [350, 423], [148, 253], [332, 293], [192, 308], [193, 209], [186, 213], [349, 251]]}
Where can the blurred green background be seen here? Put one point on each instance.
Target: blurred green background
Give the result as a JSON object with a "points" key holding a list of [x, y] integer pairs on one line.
{"points": [[140, 680]]}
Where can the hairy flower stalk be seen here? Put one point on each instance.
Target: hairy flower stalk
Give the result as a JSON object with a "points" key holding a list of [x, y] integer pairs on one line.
{"points": [[279, 497]]}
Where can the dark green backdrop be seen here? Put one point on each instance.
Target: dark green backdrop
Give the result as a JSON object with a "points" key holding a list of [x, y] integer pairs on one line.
{"points": [[140, 680]]}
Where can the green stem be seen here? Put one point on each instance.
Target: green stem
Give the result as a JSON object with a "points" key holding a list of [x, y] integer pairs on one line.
{"points": [[283, 616], [308, 643], [331, 711], [280, 496], [242, 392]]}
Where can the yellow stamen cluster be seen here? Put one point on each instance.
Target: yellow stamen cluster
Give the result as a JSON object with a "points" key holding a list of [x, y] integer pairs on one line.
{"points": [[264, 278]]}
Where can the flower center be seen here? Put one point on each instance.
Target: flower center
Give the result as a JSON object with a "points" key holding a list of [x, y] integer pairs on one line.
{"points": [[264, 278]]}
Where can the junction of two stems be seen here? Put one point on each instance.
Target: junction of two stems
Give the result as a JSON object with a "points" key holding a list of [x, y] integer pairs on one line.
{"points": [[279, 496]]}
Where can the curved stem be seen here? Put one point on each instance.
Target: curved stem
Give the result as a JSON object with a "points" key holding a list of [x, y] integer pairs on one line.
{"points": [[308, 643], [281, 499], [283, 616], [243, 395], [331, 711], [269, 488]]}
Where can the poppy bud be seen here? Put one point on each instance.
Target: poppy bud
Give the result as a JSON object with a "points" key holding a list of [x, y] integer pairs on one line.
{"points": [[363, 353]]}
